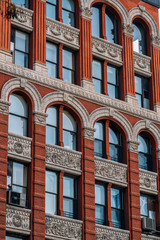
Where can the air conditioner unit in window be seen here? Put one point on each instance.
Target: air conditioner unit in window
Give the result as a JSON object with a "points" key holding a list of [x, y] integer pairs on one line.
{"points": [[148, 224], [16, 198]]}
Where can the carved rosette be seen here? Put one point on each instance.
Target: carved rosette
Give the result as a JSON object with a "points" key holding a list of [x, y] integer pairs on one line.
{"points": [[86, 13], [107, 50], [4, 107], [62, 33], [148, 182], [23, 18], [57, 226], [19, 147], [109, 233], [62, 158], [133, 146], [89, 133], [142, 64], [111, 171], [149, 237], [40, 118], [18, 219]]}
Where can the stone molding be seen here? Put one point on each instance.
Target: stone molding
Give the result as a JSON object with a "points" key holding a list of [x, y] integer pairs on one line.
{"points": [[41, 68], [5, 56], [23, 18], [63, 228], [133, 146], [148, 182], [88, 85], [88, 133], [106, 50], [4, 107], [110, 171], [62, 33], [18, 220], [128, 29], [110, 233], [155, 41], [19, 147], [142, 64], [40, 118], [62, 158], [86, 13], [131, 100], [149, 237]]}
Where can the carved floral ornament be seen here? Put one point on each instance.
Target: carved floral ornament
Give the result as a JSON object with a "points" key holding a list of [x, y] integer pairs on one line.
{"points": [[148, 181]]}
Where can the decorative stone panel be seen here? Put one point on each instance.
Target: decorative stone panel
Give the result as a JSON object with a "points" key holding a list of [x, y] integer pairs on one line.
{"points": [[62, 33], [149, 237], [18, 220], [62, 158], [109, 233], [86, 13], [4, 107], [109, 171], [106, 50], [23, 18], [142, 64], [148, 182], [133, 146], [63, 228], [40, 118], [88, 133], [19, 147]]}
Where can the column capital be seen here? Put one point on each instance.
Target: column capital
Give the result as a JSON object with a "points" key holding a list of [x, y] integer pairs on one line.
{"points": [[4, 107], [86, 13], [128, 29], [133, 146], [155, 41], [40, 118], [88, 133]]}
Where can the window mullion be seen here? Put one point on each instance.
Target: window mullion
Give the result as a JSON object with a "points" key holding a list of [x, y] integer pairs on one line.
{"points": [[103, 26], [60, 126], [107, 156]]}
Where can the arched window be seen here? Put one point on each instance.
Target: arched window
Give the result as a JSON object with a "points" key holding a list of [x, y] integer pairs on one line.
{"points": [[51, 126], [68, 12], [69, 131], [111, 27], [145, 153], [96, 22], [139, 38], [115, 144], [99, 141], [18, 115]]}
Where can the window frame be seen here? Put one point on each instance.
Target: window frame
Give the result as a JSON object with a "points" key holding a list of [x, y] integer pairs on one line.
{"points": [[56, 8], [153, 199], [142, 30], [53, 63], [117, 85], [114, 20], [27, 3], [143, 91], [102, 155], [104, 206], [98, 79], [74, 14]]}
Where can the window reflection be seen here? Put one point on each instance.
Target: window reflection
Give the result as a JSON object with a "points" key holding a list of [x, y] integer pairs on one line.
{"points": [[115, 145], [139, 38], [113, 82], [111, 27], [142, 91], [100, 203], [51, 9], [22, 3], [51, 126], [99, 150], [68, 12], [51, 59], [69, 66], [96, 23], [97, 75]]}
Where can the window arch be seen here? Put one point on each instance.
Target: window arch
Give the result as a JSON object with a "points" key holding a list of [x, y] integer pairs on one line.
{"points": [[18, 115], [139, 38], [108, 141], [145, 152], [111, 27], [61, 128]]}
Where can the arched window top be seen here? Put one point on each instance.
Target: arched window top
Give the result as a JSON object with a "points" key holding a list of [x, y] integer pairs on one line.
{"points": [[52, 116], [99, 134], [68, 5], [113, 138], [69, 122], [68, 12], [18, 105], [145, 144], [139, 38], [111, 27]]}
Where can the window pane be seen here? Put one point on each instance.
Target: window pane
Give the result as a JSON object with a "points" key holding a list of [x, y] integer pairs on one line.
{"points": [[143, 161], [100, 214], [68, 5], [144, 205], [68, 18], [68, 187], [113, 152], [68, 122], [98, 148], [18, 105], [50, 203], [13, 238], [97, 69], [9, 175], [51, 10], [115, 198], [51, 52], [22, 3], [52, 69], [98, 85], [68, 76], [22, 41], [19, 174], [96, 22], [116, 218], [111, 75], [69, 140], [99, 133], [138, 85], [51, 182], [139, 97], [111, 91], [17, 125], [113, 137], [68, 59], [52, 116], [21, 59], [99, 194], [143, 145], [68, 206], [51, 135], [110, 29]]}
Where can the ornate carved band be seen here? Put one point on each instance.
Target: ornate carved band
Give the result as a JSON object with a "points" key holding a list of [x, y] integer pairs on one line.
{"points": [[104, 232], [19, 147], [148, 182], [62, 33], [142, 64], [40, 118], [149, 237], [62, 158], [4, 107], [110, 171], [23, 18], [106, 50], [18, 219], [62, 227]]}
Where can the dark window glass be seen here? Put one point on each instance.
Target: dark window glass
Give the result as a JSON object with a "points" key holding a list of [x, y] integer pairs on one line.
{"points": [[51, 59], [117, 209], [148, 207], [96, 22], [20, 47], [51, 193], [111, 27], [113, 82], [70, 197], [100, 203], [142, 91], [18, 115], [69, 66], [139, 38], [97, 76], [51, 9], [68, 12], [51, 126], [17, 183], [14, 238], [69, 131], [145, 153], [99, 142], [22, 3], [115, 144]]}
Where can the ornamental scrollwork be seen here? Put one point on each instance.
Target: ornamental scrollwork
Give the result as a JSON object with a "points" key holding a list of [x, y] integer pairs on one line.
{"points": [[142, 64], [148, 181], [108, 233]]}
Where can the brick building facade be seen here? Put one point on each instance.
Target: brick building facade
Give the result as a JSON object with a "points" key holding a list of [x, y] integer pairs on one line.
{"points": [[80, 120]]}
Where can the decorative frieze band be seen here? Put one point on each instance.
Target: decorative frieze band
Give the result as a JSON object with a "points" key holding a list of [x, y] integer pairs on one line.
{"points": [[4, 107], [110, 171], [89, 133], [19, 147], [106, 50], [18, 220], [63, 228], [142, 64], [23, 18], [149, 237], [104, 232], [148, 182], [40, 118], [62, 33], [65, 159]]}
